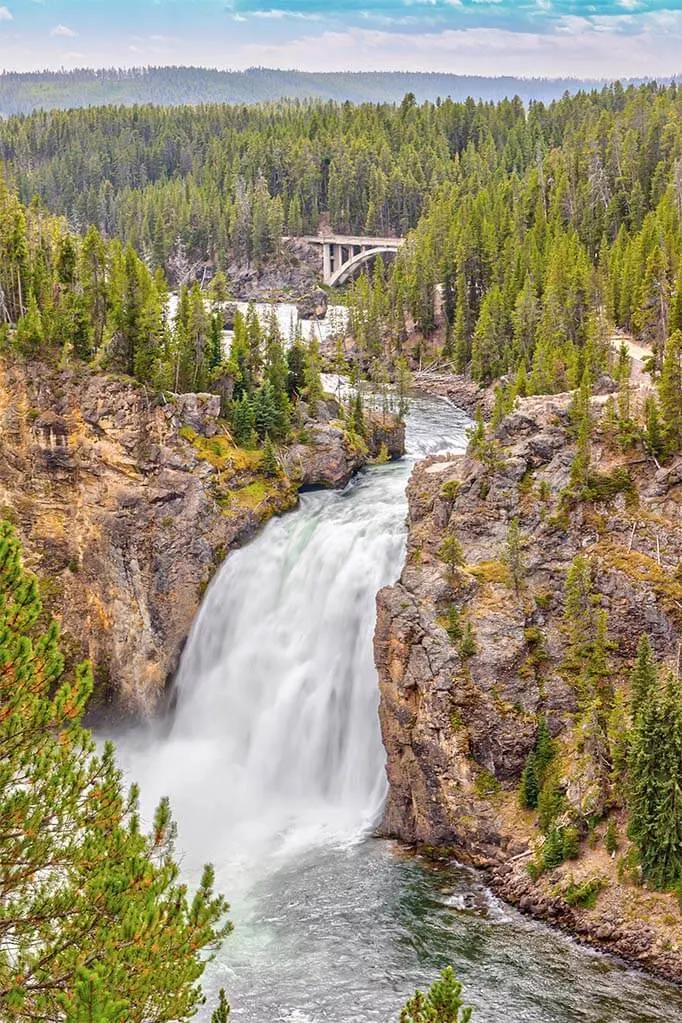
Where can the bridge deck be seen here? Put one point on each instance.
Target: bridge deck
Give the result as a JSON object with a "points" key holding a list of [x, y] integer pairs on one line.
{"points": [[348, 240]]}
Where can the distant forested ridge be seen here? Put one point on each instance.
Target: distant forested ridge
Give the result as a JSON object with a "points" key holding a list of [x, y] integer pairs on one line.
{"points": [[219, 184], [21, 93], [536, 230]]}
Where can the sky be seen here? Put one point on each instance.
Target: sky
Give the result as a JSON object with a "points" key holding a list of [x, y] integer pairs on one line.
{"points": [[601, 39]]}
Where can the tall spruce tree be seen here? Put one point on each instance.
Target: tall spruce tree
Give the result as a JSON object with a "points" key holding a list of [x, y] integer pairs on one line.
{"points": [[670, 392], [655, 785], [644, 676]]}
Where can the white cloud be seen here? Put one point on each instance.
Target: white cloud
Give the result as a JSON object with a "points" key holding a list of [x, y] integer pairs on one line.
{"points": [[63, 31], [5, 14], [581, 49]]}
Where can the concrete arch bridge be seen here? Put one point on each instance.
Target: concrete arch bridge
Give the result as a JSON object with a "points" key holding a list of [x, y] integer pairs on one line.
{"points": [[343, 255]]}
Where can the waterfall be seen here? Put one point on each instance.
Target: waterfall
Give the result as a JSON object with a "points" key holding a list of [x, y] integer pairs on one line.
{"points": [[275, 745]]}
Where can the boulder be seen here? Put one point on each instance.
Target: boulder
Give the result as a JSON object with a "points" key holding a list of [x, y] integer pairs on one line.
{"points": [[198, 411], [313, 306]]}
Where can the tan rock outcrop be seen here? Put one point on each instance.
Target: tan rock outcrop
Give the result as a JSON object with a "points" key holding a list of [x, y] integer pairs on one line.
{"points": [[126, 506]]}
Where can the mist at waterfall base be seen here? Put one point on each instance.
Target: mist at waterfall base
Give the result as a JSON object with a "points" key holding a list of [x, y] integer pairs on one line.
{"points": [[275, 770]]}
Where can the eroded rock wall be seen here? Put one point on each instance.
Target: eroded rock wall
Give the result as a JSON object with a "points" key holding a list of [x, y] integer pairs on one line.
{"points": [[457, 727], [126, 506]]}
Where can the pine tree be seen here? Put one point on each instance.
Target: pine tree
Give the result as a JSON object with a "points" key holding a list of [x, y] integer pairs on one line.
{"points": [[313, 392], [579, 615], [670, 393], [269, 463], [619, 737], [296, 358], [644, 678], [582, 426], [441, 1004], [451, 553], [91, 274], [218, 289], [667, 869], [243, 421], [654, 442], [655, 785], [221, 1014], [30, 333], [544, 747], [530, 784], [94, 921], [513, 555], [265, 412], [536, 765], [214, 353]]}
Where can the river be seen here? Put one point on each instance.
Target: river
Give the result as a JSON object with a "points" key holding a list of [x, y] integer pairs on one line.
{"points": [[275, 770]]}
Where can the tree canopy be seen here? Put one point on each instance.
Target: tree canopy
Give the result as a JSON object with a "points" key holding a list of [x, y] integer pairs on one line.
{"points": [[95, 922]]}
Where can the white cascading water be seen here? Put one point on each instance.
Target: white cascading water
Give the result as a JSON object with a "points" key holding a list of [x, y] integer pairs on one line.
{"points": [[277, 693], [275, 744]]}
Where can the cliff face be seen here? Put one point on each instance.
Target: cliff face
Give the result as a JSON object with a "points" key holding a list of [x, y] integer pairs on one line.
{"points": [[126, 507], [461, 692]]}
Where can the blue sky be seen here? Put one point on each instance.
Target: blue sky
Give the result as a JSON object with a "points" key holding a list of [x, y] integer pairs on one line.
{"points": [[604, 38]]}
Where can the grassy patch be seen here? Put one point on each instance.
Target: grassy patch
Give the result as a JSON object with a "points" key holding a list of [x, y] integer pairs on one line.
{"points": [[253, 495], [221, 453], [607, 486], [486, 784], [640, 568], [490, 572]]}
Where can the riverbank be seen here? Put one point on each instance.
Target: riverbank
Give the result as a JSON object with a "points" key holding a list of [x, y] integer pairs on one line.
{"points": [[461, 391], [470, 658], [126, 504], [641, 927]]}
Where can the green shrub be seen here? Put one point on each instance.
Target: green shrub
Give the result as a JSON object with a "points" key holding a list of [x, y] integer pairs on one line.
{"points": [[571, 843], [550, 803], [583, 895], [611, 838], [450, 490], [486, 784], [607, 486], [539, 759], [553, 849], [467, 646], [453, 625], [544, 491]]}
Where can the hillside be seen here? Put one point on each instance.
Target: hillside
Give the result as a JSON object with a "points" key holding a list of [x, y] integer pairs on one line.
{"points": [[20, 93]]}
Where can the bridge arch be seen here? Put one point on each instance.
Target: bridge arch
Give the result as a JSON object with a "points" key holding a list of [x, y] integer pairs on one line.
{"points": [[346, 271]]}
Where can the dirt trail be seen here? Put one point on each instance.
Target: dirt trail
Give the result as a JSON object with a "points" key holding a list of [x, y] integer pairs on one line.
{"points": [[638, 354]]}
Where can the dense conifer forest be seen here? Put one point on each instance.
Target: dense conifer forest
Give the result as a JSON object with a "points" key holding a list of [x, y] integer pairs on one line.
{"points": [[21, 93], [538, 230]]}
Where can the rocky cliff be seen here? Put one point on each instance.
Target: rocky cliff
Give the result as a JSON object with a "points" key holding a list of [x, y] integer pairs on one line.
{"points": [[127, 504], [471, 657]]}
